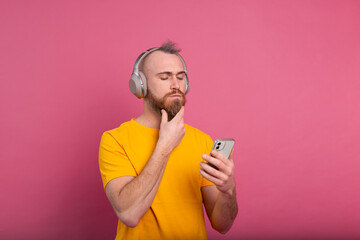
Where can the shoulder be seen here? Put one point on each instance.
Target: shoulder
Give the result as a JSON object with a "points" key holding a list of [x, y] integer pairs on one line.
{"points": [[117, 133], [197, 138], [195, 132]]}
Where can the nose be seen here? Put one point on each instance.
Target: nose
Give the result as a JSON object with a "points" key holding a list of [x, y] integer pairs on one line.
{"points": [[174, 83]]}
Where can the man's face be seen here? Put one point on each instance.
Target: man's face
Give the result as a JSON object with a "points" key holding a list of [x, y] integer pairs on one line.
{"points": [[166, 82]]}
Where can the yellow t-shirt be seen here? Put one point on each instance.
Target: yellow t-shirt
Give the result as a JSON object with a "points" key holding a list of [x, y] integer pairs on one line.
{"points": [[177, 210]]}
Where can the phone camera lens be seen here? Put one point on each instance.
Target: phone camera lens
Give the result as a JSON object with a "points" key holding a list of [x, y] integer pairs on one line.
{"points": [[217, 147], [218, 143]]}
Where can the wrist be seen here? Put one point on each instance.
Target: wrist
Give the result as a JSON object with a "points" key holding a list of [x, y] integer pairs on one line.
{"points": [[229, 193], [163, 148]]}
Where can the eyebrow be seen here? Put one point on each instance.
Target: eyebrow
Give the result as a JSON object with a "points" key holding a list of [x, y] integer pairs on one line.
{"points": [[170, 73]]}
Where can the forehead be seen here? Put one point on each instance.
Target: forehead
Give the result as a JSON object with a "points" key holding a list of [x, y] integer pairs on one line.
{"points": [[163, 62]]}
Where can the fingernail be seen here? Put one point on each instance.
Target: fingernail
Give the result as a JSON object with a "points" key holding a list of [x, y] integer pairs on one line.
{"points": [[204, 156]]}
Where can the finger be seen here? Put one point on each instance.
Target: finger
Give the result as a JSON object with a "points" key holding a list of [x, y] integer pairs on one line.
{"points": [[212, 171], [209, 177], [214, 161], [219, 156], [164, 116], [180, 114]]}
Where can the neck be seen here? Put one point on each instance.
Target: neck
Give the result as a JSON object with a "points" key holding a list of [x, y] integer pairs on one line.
{"points": [[149, 117]]}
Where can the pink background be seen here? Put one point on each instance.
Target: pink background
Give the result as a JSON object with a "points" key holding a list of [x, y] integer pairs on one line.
{"points": [[281, 77]]}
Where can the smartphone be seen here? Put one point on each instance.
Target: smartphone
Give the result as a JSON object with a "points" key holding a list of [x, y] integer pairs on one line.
{"points": [[223, 146]]}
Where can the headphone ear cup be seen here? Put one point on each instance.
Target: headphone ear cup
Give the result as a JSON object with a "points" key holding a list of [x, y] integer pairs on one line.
{"points": [[144, 81], [187, 88], [135, 86]]}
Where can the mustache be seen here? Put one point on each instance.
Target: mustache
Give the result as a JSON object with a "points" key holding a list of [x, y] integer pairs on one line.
{"points": [[176, 91]]}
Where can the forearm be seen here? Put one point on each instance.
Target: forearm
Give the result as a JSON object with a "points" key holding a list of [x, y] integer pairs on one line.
{"points": [[224, 212], [136, 197]]}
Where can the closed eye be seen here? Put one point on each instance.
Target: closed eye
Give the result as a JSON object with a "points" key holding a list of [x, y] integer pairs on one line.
{"points": [[180, 76], [165, 75]]}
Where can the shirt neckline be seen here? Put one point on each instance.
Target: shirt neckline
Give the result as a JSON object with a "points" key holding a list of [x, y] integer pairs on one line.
{"points": [[144, 128]]}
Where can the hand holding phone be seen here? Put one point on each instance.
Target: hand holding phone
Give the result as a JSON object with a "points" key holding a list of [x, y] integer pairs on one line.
{"points": [[223, 146]]}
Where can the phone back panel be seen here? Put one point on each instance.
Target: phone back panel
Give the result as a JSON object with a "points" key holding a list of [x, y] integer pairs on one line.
{"points": [[224, 146]]}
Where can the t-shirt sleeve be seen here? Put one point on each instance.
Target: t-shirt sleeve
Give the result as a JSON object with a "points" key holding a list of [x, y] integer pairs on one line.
{"points": [[208, 145], [113, 160]]}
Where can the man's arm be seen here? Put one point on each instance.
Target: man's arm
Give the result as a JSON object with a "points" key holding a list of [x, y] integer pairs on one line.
{"points": [[130, 196], [219, 200]]}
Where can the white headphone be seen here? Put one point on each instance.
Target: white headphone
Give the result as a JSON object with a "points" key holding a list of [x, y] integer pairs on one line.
{"points": [[138, 82]]}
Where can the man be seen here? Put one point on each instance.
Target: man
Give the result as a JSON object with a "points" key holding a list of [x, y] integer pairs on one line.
{"points": [[152, 167]]}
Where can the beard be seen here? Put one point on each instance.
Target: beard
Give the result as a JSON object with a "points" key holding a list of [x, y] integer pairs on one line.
{"points": [[172, 107]]}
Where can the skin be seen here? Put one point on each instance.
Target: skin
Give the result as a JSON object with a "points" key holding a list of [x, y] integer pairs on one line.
{"points": [[130, 196]]}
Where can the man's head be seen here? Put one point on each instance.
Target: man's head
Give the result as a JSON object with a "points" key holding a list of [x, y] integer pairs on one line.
{"points": [[166, 79]]}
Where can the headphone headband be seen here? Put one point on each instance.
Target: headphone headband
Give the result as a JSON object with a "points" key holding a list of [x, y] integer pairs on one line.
{"points": [[141, 57], [147, 52]]}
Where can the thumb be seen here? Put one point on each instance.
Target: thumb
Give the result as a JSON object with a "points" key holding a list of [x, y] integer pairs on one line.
{"points": [[231, 155], [164, 116]]}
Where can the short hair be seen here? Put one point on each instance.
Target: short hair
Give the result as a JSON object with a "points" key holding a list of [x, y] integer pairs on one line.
{"points": [[166, 47], [169, 47]]}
